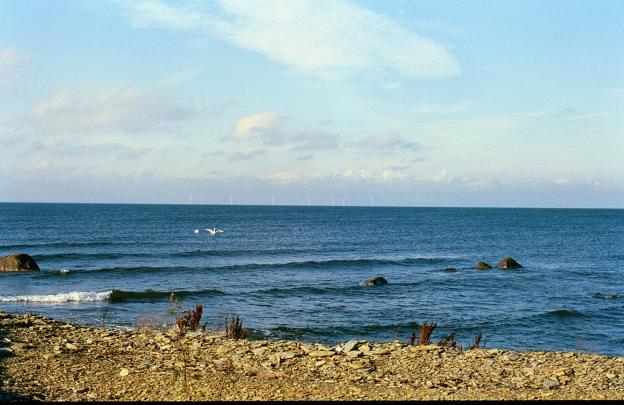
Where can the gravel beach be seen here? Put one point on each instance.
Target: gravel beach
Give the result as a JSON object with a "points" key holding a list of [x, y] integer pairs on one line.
{"points": [[46, 359]]}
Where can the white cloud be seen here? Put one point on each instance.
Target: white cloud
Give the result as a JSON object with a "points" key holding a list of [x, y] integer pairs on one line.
{"points": [[441, 177], [480, 183], [475, 125], [270, 129], [393, 175], [357, 174], [331, 38], [283, 177], [148, 12], [314, 140], [247, 155], [562, 115], [572, 114], [11, 64], [575, 181], [388, 141], [125, 109], [66, 149], [255, 125], [442, 108]]}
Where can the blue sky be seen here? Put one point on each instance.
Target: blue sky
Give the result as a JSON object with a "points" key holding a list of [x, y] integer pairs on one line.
{"points": [[409, 103]]}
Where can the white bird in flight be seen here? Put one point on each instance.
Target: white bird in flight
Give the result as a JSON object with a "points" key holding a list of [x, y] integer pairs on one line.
{"points": [[213, 231]]}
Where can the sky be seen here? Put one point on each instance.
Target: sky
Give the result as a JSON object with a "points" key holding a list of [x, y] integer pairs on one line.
{"points": [[386, 103]]}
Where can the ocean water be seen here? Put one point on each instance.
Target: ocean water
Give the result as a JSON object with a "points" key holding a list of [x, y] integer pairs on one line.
{"points": [[296, 272]]}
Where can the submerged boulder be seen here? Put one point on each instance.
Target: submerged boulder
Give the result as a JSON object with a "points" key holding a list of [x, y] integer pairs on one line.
{"points": [[375, 281], [482, 266], [450, 270], [508, 263], [18, 262]]}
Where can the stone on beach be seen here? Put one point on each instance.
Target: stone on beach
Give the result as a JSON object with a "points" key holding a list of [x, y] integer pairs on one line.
{"points": [[18, 262]]}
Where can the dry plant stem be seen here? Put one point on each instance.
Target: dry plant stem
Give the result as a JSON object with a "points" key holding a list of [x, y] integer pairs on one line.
{"points": [[190, 319], [234, 328], [104, 316], [476, 342], [425, 332], [450, 341], [185, 385], [196, 315]]}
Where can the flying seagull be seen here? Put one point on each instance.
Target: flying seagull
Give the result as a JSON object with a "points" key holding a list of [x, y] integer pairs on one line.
{"points": [[213, 231]]}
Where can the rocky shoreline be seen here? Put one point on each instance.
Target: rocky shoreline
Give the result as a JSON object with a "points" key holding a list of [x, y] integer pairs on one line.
{"points": [[46, 359]]}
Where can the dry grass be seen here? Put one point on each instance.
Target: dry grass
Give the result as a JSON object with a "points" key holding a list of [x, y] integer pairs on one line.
{"points": [[189, 321], [476, 342], [450, 341], [234, 328], [427, 329]]}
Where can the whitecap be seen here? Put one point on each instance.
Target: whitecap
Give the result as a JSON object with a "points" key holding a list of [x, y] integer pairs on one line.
{"points": [[74, 296]]}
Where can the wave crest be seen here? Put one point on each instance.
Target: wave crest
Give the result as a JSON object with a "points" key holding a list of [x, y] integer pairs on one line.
{"points": [[74, 296]]}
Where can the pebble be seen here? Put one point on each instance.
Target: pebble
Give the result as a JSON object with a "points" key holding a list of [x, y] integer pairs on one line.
{"points": [[350, 346], [550, 383], [321, 353], [6, 351]]}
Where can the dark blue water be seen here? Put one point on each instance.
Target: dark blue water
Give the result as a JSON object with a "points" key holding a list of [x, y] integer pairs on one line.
{"points": [[295, 272]]}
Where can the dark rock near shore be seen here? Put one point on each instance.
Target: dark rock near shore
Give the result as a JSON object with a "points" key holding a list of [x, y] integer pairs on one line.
{"points": [[18, 262], [482, 266], [375, 281], [450, 270], [508, 263]]}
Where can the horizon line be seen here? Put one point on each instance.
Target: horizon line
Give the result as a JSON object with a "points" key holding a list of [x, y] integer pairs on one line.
{"points": [[314, 205]]}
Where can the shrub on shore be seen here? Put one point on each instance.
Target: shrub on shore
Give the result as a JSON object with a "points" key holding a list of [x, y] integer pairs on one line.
{"points": [[234, 328], [424, 338], [190, 319]]}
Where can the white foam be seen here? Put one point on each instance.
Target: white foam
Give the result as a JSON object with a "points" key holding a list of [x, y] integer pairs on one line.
{"points": [[74, 296], [63, 271]]}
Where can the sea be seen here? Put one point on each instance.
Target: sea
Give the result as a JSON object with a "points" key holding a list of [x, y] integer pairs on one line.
{"points": [[296, 272]]}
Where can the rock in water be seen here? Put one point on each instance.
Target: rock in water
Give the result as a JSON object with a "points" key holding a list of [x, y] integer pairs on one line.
{"points": [[482, 266], [18, 262], [508, 263], [375, 281], [450, 270]]}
